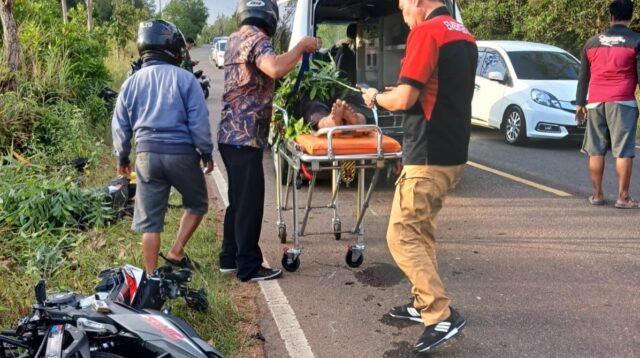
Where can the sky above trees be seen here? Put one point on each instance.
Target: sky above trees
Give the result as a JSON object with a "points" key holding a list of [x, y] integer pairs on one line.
{"points": [[226, 7]]}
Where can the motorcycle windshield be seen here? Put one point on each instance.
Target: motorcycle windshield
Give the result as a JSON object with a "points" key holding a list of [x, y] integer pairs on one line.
{"points": [[159, 334]]}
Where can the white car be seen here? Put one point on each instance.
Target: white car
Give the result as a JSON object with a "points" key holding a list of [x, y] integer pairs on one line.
{"points": [[217, 53], [527, 90]]}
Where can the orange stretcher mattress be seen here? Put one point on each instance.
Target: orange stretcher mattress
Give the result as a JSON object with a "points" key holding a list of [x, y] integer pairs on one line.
{"points": [[347, 145]]}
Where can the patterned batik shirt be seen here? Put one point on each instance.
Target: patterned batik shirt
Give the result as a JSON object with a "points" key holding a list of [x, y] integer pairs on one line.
{"points": [[248, 92]]}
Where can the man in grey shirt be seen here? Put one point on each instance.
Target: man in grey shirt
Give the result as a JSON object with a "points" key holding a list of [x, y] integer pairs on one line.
{"points": [[165, 108]]}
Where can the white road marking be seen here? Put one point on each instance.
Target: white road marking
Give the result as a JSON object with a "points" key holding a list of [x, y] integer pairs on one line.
{"points": [[290, 331], [221, 184], [520, 180]]}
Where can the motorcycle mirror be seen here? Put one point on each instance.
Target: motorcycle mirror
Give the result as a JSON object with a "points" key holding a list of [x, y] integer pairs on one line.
{"points": [[41, 292]]}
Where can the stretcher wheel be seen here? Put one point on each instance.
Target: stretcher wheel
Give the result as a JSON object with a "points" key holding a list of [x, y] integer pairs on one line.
{"points": [[290, 265], [337, 227], [349, 259], [282, 234]]}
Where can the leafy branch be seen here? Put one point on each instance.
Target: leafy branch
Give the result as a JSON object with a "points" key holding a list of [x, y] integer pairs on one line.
{"points": [[315, 84]]}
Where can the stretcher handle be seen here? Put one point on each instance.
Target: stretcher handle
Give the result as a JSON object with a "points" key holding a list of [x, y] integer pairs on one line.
{"points": [[374, 109], [350, 128], [285, 115]]}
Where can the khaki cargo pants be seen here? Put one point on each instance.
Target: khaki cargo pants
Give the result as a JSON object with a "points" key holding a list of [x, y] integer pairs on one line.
{"points": [[420, 194]]}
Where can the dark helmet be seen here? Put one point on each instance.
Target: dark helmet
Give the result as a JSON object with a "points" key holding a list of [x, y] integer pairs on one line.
{"points": [[260, 13], [160, 40]]}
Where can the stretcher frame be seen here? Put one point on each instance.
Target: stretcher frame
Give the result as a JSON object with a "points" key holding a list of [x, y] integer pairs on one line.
{"points": [[292, 153]]}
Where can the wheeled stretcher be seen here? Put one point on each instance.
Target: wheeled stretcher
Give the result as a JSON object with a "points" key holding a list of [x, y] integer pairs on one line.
{"points": [[327, 153]]}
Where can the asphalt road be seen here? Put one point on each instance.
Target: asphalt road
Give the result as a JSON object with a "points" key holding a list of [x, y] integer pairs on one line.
{"points": [[534, 274]]}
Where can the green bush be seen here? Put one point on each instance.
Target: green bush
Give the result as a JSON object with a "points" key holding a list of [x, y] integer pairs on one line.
{"points": [[63, 61], [564, 23], [44, 212], [55, 109]]}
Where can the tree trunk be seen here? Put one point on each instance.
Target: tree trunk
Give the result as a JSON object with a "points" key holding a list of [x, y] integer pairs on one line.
{"points": [[90, 15], [65, 9], [11, 48]]}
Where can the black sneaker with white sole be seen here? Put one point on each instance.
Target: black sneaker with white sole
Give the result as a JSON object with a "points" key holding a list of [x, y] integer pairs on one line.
{"points": [[407, 311], [265, 273], [228, 269], [438, 333]]}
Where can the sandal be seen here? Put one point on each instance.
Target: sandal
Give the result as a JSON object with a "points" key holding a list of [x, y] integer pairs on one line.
{"points": [[628, 204], [184, 262], [593, 201]]}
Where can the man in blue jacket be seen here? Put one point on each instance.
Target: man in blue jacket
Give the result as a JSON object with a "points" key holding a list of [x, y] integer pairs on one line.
{"points": [[164, 106]]}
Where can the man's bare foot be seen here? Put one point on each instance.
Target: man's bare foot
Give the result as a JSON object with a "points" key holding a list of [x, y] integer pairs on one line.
{"points": [[337, 113], [350, 114], [354, 118]]}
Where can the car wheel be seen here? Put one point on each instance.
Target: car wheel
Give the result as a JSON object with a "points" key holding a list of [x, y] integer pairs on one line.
{"points": [[515, 128]]}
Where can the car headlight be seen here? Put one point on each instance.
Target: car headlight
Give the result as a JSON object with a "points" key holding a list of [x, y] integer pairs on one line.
{"points": [[545, 98]]}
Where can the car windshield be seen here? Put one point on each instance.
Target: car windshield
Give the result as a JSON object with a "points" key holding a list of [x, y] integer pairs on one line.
{"points": [[222, 46], [544, 65]]}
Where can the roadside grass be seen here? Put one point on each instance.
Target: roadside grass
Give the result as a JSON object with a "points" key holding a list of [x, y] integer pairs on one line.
{"points": [[120, 63], [222, 325]]}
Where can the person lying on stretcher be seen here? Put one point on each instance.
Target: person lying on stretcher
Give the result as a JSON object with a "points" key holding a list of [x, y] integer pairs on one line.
{"points": [[318, 115]]}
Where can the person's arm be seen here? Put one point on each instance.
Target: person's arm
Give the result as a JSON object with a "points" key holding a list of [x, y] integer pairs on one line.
{"points": [[278, 66], [400, 98], [638, 62], [583, 87], [198, 121], [583, 79], [122, 134]]}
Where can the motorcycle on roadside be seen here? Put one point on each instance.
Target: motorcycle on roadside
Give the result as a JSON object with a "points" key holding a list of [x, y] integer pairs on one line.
{"points": [[114, 322]]}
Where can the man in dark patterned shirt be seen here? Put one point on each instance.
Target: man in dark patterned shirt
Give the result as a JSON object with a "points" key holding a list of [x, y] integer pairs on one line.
{"points": [[251, 68]]}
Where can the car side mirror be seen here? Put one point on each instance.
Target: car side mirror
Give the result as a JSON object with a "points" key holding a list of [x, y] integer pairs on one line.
{"points": [[496, 76]]}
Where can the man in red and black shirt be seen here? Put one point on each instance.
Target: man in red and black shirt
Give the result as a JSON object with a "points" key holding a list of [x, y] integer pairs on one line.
{"points": [[435, 89], [610, 73]]}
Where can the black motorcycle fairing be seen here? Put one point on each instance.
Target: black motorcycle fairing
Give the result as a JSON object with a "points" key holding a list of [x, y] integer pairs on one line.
{"points": [[189, 331], [160, 334]]}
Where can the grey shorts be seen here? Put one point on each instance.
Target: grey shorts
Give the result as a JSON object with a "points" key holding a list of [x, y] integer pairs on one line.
{"points": [[611, 126], [156, 174]]}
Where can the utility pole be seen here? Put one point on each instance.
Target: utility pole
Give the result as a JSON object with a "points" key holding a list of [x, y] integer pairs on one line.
{"points": [[160, 8]]}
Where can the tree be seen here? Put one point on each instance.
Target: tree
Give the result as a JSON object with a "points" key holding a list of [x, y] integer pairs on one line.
{"points": [[223, 25], [563, 23], [104, 9], [10, 40], [90, 15], [231, 25], [123, 26], [189, 15]]}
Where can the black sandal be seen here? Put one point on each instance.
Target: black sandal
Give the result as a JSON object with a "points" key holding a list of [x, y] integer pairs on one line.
{"points": [[184, 262]]}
